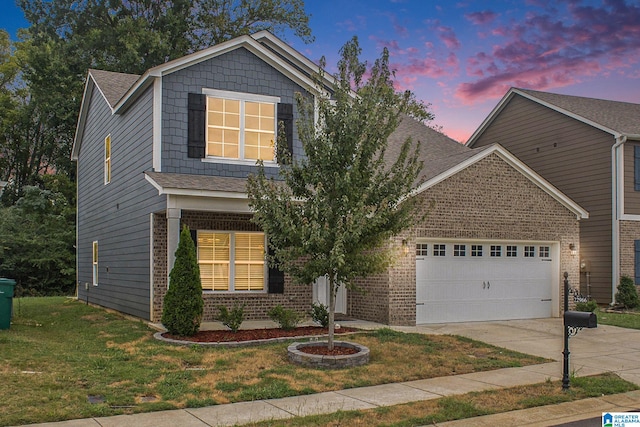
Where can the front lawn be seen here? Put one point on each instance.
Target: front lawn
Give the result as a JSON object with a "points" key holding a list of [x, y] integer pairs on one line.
{"points": [[629, 319], [62, 359]]}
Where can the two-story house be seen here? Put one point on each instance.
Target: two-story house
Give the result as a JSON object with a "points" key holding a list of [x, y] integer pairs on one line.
{"points": [[590, 150], [174, 147]]}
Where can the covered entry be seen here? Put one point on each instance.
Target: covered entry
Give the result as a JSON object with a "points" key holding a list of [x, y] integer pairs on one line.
{"points": [[460, 281]]}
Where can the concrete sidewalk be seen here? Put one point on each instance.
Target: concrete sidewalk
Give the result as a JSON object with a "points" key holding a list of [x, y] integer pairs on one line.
{"points": [[606, 349]]}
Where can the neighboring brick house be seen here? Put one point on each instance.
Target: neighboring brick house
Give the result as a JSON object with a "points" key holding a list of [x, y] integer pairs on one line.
{"points": [[590, 150], [174, 147]]}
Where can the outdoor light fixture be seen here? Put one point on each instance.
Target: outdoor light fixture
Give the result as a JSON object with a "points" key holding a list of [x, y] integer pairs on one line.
{"points": [[572, 248], [405, 246]]}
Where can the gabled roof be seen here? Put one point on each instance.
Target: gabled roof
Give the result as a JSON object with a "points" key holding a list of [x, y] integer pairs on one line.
{"points": [[121, 90], [614, 117], [112, 85], [438, 152], [475, 155]]}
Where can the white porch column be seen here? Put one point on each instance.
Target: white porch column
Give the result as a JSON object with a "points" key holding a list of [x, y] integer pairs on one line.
{"points": [[173, 235]]}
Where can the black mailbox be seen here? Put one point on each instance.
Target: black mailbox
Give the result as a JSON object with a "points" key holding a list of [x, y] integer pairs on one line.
{"points": [[580, 319]]}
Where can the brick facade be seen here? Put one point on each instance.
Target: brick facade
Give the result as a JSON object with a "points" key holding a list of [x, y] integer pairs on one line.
{"points": [[297, 297], [487, 200], [629, 233]]}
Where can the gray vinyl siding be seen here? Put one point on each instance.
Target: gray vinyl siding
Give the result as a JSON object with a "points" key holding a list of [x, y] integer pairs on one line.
{"points": [[575, 158], [631, 196], [237, 71], [117, 215]]}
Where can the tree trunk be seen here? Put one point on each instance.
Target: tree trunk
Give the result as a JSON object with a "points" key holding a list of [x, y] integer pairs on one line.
{"points": [[332, 310]]}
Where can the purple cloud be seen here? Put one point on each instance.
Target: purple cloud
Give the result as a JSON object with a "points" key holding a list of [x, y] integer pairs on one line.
{"points": [[550, 50], [448, 37], [481, 18]]}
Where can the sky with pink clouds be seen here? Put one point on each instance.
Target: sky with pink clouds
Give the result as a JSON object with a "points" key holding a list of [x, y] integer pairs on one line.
{"points": [[462, 56]]}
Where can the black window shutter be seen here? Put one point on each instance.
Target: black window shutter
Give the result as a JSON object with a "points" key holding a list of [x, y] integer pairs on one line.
{"points": [[196, 127], [276, 278], [637, 261], [285, 115], [636, 167]]}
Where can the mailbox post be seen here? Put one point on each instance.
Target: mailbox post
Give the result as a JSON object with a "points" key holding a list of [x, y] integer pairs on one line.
{"points": [[574, 321]]}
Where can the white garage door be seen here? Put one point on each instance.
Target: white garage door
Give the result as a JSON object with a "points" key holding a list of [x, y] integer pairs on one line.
{"points": [[472, 281]]}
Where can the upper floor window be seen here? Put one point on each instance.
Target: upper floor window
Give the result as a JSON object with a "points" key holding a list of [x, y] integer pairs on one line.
{"points": [[107, 159], [240, 126]]}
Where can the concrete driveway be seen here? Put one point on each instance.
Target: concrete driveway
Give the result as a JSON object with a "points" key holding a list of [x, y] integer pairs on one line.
{"points": [[592, 351]]}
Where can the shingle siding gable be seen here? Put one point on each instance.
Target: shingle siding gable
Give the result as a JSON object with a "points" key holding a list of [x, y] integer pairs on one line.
{"points": [[236, 71]]}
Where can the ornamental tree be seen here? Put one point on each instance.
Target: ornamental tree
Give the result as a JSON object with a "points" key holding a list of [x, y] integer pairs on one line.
{"points": [[183, 304], [333, 211]]}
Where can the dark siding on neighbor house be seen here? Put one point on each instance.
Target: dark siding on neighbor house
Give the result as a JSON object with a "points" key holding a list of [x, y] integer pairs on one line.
{"points": [[237, 71], [117, 215], [631, 195], [575, 158]]}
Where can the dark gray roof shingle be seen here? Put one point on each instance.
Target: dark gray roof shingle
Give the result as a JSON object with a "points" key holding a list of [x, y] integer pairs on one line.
{"points": [[438, 152], [621, 117], [198, 182], [113, 85]]}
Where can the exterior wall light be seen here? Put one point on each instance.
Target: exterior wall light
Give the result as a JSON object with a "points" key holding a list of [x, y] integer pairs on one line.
{"points": [[573, 249]]}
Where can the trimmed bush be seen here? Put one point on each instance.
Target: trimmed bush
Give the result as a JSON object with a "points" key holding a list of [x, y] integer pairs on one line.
{"points": [[233, 318], [183, 303], [587, 306], [320, 314], [627, 294], [287, 318]]}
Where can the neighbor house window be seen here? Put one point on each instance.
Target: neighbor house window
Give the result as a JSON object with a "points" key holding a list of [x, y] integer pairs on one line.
{"points": [[107, 159], [476, 250], [512, 251], [94, 263], [529, 251], [459, 250], [496, 250], [544, 251], [240, 128], [231, 261]]}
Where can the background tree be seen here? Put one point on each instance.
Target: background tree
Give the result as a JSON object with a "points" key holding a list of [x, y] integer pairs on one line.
{"points": [[334, 211], [37, 237], [183, 304]]}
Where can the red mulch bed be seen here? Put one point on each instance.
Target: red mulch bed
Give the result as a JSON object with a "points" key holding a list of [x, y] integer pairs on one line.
{"points": [[324, 350], [258, 334]]}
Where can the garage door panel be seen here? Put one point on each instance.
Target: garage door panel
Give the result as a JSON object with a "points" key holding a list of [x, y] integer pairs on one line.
{"points": [[475, 288]]}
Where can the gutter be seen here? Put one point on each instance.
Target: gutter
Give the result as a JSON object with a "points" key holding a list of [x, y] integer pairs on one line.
{"points": [[616, 207]]}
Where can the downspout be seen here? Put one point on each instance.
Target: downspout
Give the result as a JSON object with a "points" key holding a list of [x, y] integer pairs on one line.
{"points": [[616, 207]]}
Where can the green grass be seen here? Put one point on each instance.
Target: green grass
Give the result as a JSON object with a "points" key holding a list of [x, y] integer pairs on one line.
{"points": [[431, 412], [59, 351], [629, 320]]}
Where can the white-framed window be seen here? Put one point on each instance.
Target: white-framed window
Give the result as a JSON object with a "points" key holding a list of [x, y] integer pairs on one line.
{"points": [[439, 250], [496, 250], [529, 251], [107, 159], [544, 251], [459, 250], [240, 126], [422, 249], [94, 262], [232, 260], [512, 251]]}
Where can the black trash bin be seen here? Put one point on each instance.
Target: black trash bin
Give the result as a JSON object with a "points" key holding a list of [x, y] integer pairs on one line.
{"points": [[6, 302]]}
